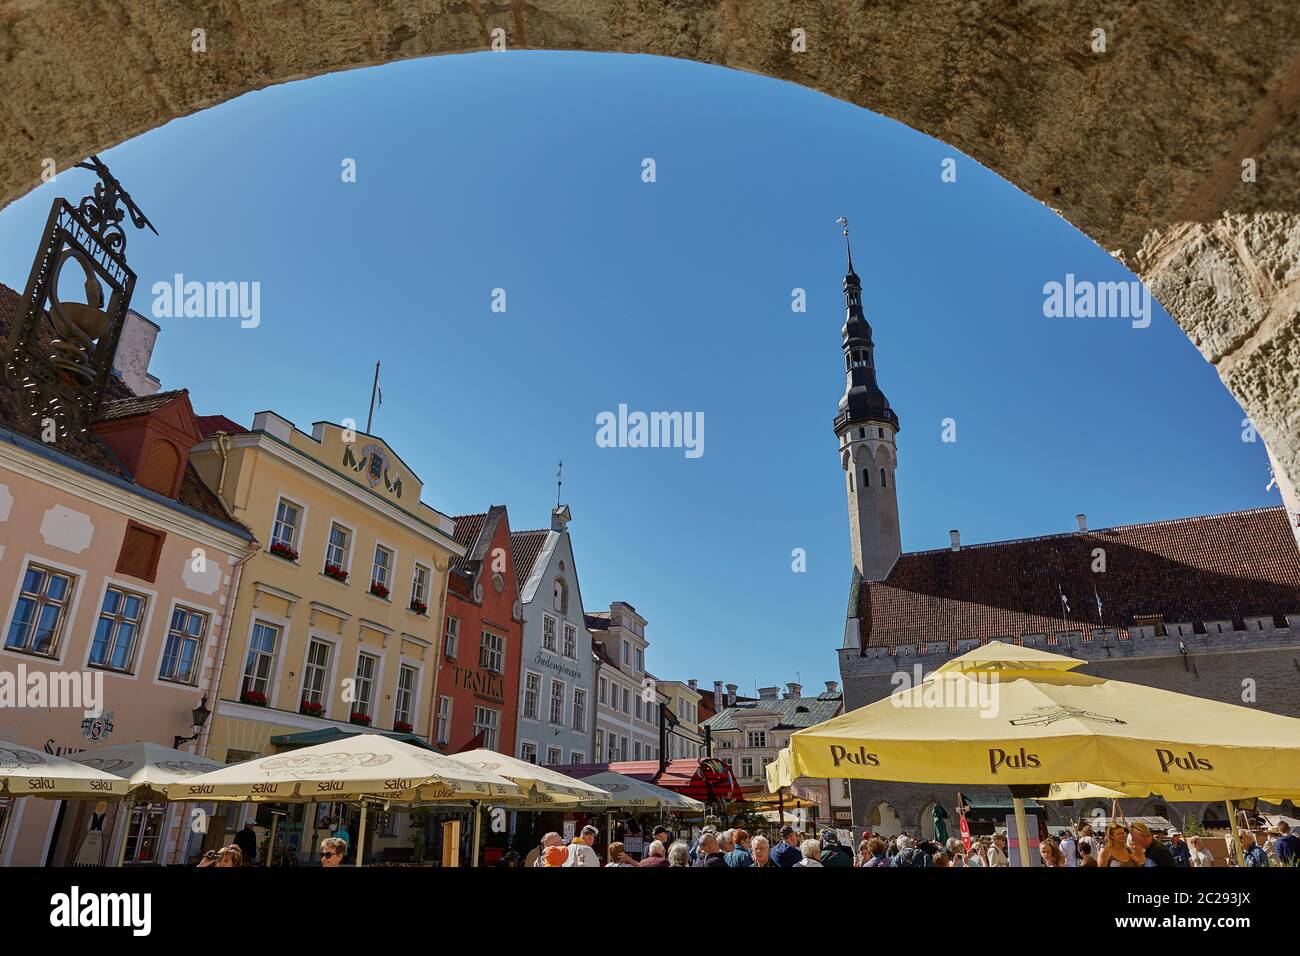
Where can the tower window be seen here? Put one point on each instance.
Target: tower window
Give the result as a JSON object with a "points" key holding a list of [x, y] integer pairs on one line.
{"points": [[881, 431], [866, 478], [883, 483], [862, 433], [850, 481]]}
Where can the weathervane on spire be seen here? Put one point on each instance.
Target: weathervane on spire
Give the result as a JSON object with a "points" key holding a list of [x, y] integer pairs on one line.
{"points": [[559, 483], [843, 222]]}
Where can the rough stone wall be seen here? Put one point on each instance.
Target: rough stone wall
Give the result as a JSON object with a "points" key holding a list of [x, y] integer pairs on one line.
{"points": [[1141, 146]]}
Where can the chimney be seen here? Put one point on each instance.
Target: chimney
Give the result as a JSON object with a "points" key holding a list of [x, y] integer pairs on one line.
{"points": [[955, 535], [719, 701], [793, 690], [832, 686], [1083, 522], [769, 693], [731, 695], [134, 352], [693, 684]]}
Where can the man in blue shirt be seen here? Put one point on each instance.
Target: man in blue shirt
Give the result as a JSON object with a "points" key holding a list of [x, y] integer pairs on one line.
{"points": [[787, 853], [1288, 846], [1252, 852], [1179, 849]]}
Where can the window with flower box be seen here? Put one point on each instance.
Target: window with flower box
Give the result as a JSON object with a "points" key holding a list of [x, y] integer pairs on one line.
{"points": [[381, 575], [285, 530], [315, 679], [337, 552], [259, 662], [404, 712], [420, 589]]}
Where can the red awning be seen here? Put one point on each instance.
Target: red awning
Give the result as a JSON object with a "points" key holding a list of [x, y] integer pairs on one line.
{"points": [[708, 780]]}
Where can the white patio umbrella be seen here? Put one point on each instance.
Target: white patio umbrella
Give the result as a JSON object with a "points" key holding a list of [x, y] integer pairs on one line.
{"points": [[542, 785], [354, 768], [25, 772], [148, 769]]}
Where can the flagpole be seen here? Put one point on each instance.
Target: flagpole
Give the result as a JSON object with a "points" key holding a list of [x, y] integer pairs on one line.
{"points": [[373, 389]]}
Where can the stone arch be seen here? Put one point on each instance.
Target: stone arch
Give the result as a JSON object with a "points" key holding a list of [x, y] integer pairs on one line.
{"points": [[1143, 145], [883, 818]]}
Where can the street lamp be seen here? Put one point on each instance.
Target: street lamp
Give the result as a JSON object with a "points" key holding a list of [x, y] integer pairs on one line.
{"points": [[200, 715]]}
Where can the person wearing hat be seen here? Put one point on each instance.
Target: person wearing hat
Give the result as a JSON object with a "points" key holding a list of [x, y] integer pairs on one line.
{"points": [[833, 854], [1179, 849], [1156, 853], [787, 853]]}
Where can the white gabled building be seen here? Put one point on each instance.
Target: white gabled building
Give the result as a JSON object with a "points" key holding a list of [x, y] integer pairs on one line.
{"points": [[556, 707]]}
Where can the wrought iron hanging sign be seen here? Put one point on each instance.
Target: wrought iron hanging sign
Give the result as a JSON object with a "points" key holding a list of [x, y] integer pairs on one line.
{"points": [[63, 375]]}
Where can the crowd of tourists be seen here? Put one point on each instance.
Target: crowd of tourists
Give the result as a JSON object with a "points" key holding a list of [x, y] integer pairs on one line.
{"points": [[1121, 844]]}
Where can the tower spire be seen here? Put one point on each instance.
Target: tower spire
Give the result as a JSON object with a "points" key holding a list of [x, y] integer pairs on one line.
{"points": [[866, 426]]}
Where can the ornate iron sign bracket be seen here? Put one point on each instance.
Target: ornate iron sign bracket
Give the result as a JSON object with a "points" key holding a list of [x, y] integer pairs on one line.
{"points": [[63, 375]]}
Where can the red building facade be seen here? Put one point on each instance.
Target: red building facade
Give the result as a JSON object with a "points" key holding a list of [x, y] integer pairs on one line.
{"points": [[477, 701]]}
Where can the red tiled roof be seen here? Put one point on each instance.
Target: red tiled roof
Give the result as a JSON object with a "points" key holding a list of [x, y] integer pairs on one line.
{"points": [[86, 447], [209, 425], [1189, 570], [466, 533], [525, 546]]}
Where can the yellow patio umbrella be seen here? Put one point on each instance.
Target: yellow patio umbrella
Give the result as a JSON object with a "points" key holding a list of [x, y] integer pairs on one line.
{"points": [[1020, 717]]}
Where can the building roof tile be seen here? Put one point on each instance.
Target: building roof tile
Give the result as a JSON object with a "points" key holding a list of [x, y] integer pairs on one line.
{"points": [[1189, 570]]}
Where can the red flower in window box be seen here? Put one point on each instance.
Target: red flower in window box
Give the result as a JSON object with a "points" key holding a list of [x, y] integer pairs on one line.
{"points": [[311, 708], [402, 727], [360, 718], [335, 572], [255, 697], [418, 606], [379, 590], [282, 550]]}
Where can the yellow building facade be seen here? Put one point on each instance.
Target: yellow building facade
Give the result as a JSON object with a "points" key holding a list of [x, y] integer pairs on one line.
{"points": [[336, 619]]}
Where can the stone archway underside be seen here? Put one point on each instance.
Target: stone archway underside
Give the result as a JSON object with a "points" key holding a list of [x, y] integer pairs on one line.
{"points": [[1140, 147]]}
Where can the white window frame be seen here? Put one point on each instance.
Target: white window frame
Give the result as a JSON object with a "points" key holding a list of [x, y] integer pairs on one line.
{"points": [[442, 734], [420, 591], [580, 719], [300, 529], [451, 641], [327, 682], [281, 625], [486, 647], [413, 705], [376, 685], [348, 553], [144, 625], [559, 756], [200, 661], [62, 643], [551, 717], [523, 746], [554, 632], [392, 570], [493, 730], [523, 696]]}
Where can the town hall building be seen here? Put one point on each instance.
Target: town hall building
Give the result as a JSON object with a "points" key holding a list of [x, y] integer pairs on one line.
{"points": [[1206, 605]]}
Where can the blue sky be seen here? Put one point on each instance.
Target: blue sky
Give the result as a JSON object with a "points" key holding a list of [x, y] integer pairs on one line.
{"points": [[523, 171]]}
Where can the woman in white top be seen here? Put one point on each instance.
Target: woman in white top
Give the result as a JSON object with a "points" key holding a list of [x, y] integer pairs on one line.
{"points": [[1200, 855]]}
